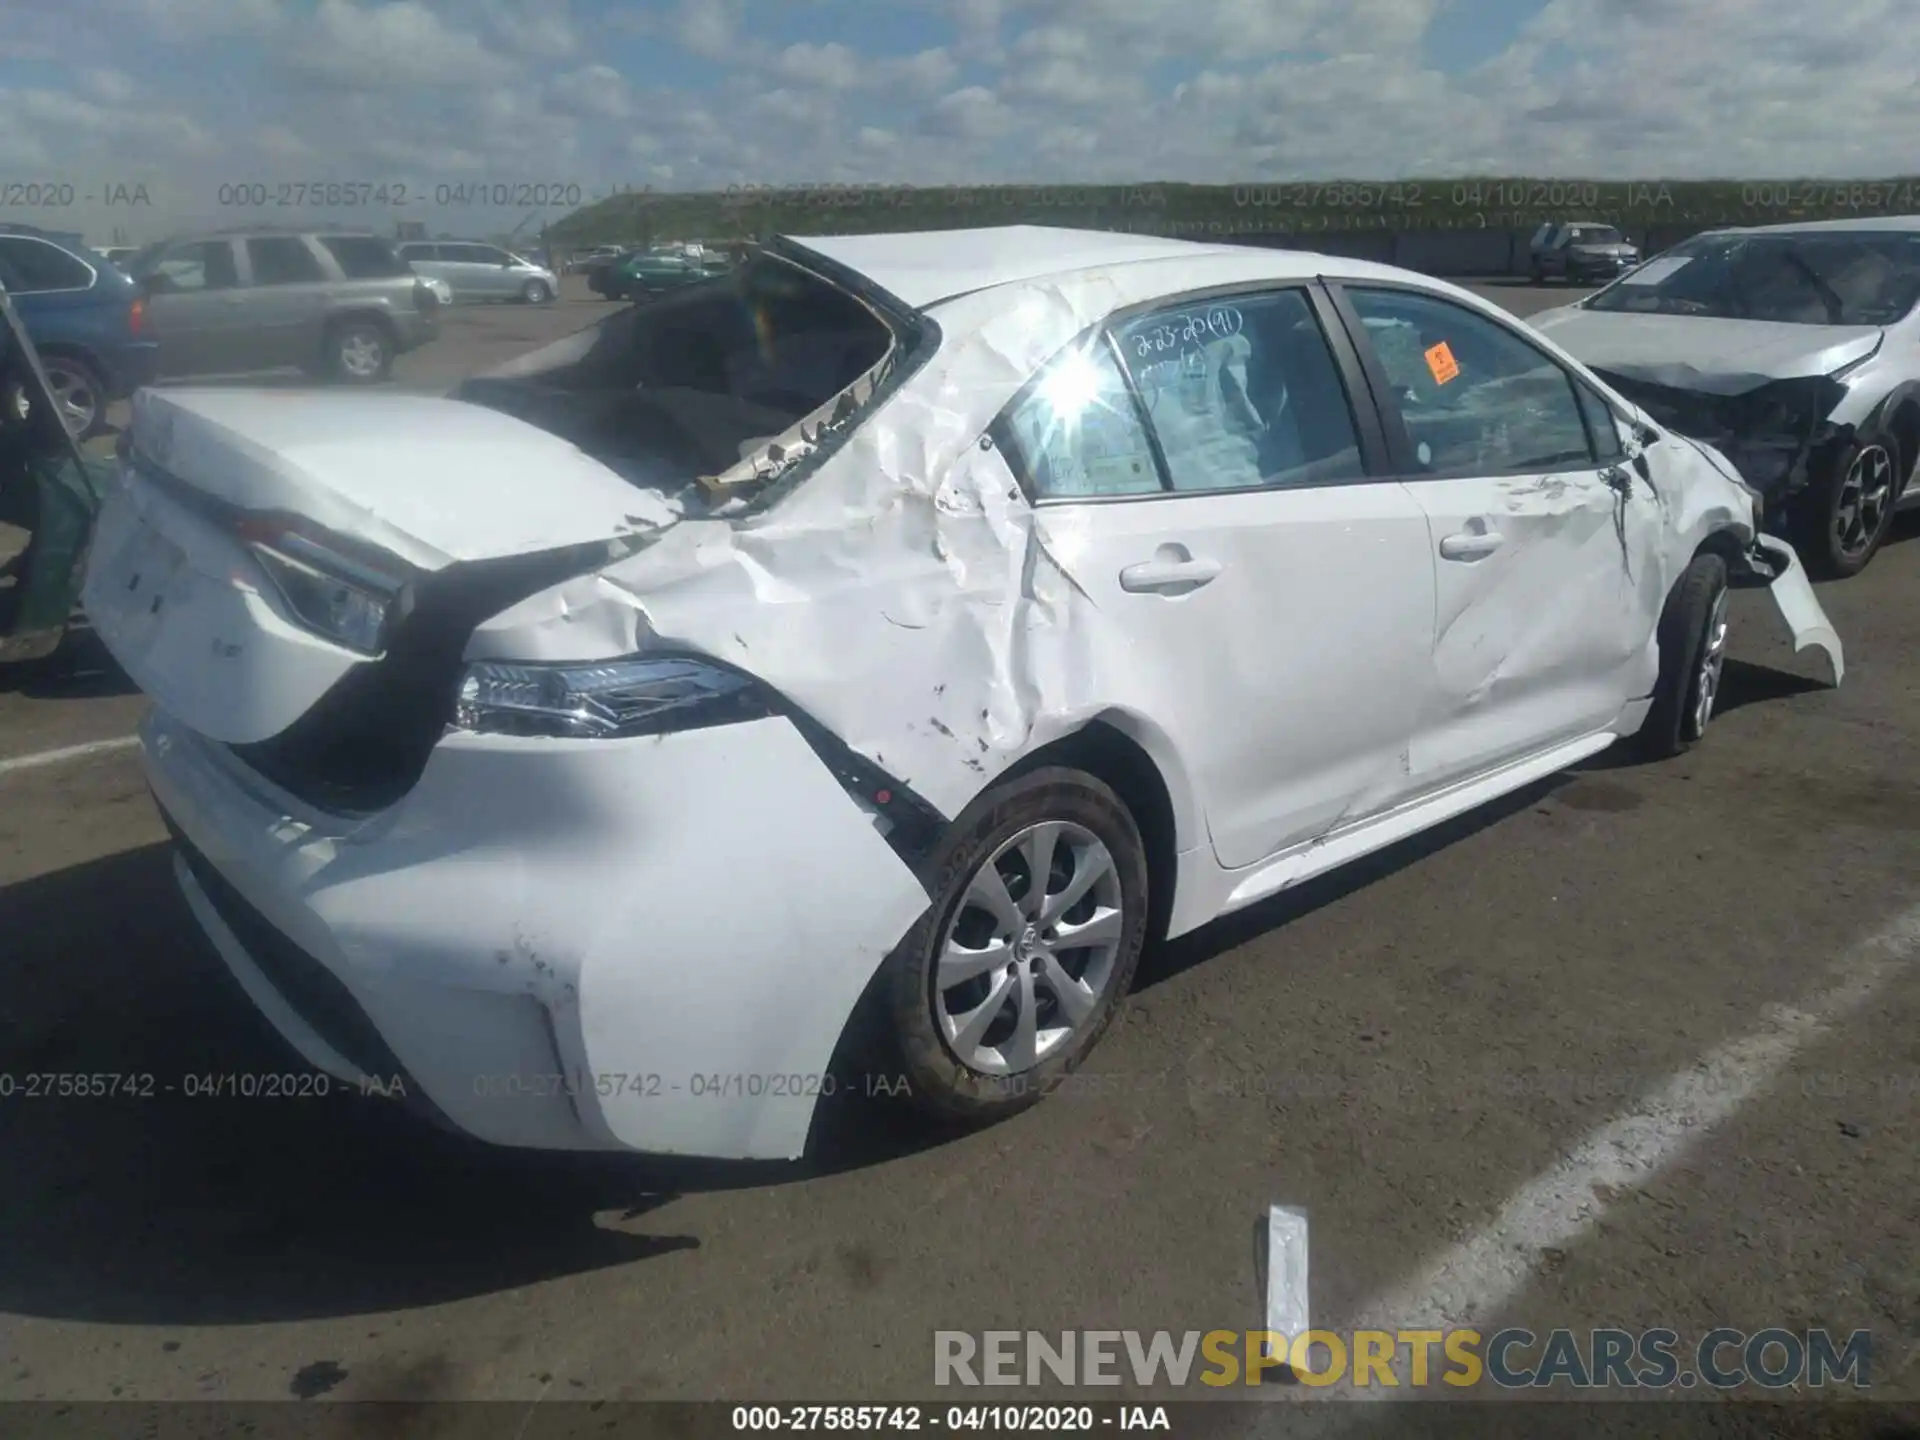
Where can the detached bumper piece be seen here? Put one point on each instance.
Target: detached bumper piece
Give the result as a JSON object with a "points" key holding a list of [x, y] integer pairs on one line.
{"points": [[1769, 564]]}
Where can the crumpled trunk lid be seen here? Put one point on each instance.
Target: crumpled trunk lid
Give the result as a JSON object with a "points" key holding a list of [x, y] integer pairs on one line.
{"points": [[432, 481], [469, 508]]}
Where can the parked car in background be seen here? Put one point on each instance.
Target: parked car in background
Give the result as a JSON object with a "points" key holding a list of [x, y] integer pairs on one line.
{"points": [[119, 255], [583, 262], [1794, 350], [1580, 250], [93, 330], [332, 302], [475, 271], [1119, 583], [647, 273], [49, 496]]}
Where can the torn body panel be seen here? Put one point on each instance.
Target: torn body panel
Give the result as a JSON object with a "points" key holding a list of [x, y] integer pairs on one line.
{"points": [[1771, 563], [1778, 435], [539, 993]]}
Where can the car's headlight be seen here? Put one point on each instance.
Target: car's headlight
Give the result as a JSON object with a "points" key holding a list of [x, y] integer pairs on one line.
{"points": [[332, 594], [639, 695]]}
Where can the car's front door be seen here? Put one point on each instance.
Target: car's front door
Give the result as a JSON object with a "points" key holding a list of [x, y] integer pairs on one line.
{"points": [[490, 271], [1203, 476], [196, 308], [1546, 542]]}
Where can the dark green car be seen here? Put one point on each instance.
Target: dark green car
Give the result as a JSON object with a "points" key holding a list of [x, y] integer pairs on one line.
{"points": [[643, 274], [49, 495]]}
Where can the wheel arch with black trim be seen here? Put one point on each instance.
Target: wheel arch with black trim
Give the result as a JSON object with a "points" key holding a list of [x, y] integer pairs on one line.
{"points": [[1902, 420]]}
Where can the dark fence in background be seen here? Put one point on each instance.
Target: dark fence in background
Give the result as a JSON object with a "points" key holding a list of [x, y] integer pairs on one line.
{"points": [[1446, 227], [1463, 253]]}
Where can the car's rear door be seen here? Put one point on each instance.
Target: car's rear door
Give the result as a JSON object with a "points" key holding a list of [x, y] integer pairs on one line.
{"points": [[287, 299], [1207, 474], [1546, 543]]}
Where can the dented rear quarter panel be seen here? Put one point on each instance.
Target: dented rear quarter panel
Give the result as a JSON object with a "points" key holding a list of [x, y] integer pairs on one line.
{"points": [[904, 595]]}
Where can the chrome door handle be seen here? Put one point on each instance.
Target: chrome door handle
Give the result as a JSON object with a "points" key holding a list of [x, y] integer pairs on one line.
{"points": [[1152, 576], [1471, 544]]}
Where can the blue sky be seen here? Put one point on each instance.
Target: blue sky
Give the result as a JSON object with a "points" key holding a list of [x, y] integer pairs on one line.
{"points": [[191, 97]]}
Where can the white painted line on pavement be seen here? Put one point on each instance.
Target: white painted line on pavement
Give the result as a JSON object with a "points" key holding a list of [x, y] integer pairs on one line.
{"points": [[1470, 1281], [69, 752], [1286, 1273]]}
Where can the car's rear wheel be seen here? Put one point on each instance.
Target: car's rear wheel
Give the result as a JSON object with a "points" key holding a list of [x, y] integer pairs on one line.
{"points": [[1693, 655], [1020, 963], [79, 394], [358, 352], [1846, 512], [535, 292]]}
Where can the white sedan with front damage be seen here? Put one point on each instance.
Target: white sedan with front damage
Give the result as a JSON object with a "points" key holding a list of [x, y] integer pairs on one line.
{"points": [[880, 644], [1795, 351]]}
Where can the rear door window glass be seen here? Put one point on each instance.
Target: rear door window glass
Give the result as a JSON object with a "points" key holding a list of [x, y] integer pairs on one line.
{"points": [[1242, 393]]}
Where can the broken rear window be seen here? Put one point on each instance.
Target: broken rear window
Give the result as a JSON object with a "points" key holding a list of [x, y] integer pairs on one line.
{"points": [[728, 380], [1848, 278]]}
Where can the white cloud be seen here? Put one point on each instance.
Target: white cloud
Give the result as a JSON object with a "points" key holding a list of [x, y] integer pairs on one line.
{"points": [[112, 86], [832, 66], [537, 29], [708, 28], [195, 92], [392, 46], [596, 90], [975, 113]]}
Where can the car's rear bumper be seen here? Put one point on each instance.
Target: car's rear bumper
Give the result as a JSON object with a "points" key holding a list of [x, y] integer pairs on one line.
{"points": [[650, 944]]}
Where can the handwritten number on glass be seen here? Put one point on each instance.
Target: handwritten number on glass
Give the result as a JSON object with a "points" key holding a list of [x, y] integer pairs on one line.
{"points": [[1195, 327]]}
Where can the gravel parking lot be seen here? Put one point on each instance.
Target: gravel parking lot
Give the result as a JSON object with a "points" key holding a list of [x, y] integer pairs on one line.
{"points": [[1402, 1050]]}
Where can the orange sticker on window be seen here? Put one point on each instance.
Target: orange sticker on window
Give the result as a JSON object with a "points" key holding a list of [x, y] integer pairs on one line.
{"points": [[1441, 362]]}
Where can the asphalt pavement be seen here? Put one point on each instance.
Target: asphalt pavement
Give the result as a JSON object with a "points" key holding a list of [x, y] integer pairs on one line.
{"points": [[1638, 1047]]}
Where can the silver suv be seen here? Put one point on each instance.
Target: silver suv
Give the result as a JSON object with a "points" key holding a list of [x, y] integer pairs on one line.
{"points": [[330, 302], [482, 272]]}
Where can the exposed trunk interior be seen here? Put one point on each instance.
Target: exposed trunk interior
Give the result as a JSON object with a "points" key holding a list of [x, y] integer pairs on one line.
{"points": [[693, 383]]}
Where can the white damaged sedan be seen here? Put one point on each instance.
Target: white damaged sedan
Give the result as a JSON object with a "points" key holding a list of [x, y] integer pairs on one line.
{"points": [[909, 626]]}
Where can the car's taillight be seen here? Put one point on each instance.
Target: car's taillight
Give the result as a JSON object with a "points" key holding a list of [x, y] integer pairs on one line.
{"points": [[136, 316]]}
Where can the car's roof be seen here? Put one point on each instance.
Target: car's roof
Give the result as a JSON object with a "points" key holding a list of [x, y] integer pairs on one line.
{"points": [[1897, 223], [924, 267]]}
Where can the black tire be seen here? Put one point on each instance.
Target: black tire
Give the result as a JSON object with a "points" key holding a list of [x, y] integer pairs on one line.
{"points": [[535, 292], [1830, 550], [912, 1040], [1696, 608], [349, 345], [1538, 275]]}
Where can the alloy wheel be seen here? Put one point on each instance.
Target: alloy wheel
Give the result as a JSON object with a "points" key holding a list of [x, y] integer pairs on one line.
{"points": [[361, 354], [1860, 509], [1713, 663], [1027, 958], [74, 397]]}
